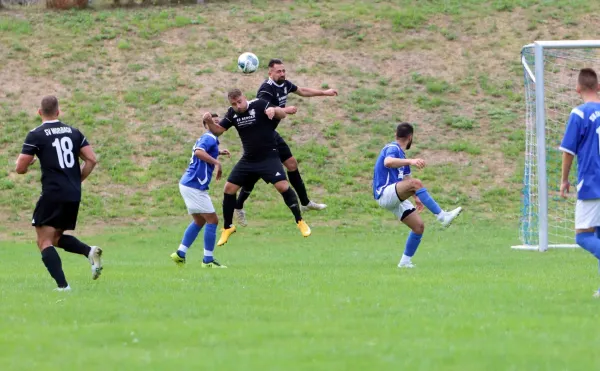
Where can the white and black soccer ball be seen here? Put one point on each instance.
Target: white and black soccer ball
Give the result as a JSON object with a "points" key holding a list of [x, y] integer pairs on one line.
{"points": [[248, 62]]}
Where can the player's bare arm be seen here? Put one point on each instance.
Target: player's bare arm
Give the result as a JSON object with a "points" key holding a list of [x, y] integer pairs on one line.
{"points": [[310, 92], [23, 162], [89, 161], [395, 163], [567, 162], [277, 113], [224, 152], [214, 128], [204, 156], [290, 110]]}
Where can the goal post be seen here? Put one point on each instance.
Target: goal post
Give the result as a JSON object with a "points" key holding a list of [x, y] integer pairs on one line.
{"points": [[550, 70]]}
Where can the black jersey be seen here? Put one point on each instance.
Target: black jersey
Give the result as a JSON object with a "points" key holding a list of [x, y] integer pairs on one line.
{"points": [[274, 93], [256, 130], [57, 147]]}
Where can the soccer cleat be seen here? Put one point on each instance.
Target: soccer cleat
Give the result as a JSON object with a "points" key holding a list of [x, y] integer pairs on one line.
{"points": [[241, 217], [312, 206], [407, 264], [95, 258], [213, 264], [178, 259], [63, 289], [597, 294], [304, 228], [226, 232], [449, 216]]}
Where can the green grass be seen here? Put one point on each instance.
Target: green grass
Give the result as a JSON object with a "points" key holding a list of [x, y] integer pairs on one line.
{"points": [[333, 301], [136, 81]]}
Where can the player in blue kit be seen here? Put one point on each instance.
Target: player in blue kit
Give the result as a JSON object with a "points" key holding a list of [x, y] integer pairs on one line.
{"points": [[393, 185], [581, 139], [193, 187]]}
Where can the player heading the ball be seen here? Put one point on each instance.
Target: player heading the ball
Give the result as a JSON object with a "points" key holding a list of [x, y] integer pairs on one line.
{"points": [[255, 122]]}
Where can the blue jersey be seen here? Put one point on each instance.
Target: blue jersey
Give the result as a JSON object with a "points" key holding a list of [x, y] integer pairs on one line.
{"points": [[199, 173], [582, 140], [384, 176]]}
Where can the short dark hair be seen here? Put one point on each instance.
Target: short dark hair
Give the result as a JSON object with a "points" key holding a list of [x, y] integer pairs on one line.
{"points": [[49, 105], [275, 61], [234, 93], [588, 79], [404, 129]]}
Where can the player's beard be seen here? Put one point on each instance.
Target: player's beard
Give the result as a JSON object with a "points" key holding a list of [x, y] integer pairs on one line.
{"points": [[280, 80], [409, 144]]}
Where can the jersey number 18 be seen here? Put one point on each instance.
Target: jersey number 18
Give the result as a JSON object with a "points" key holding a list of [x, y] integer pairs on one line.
{"points": [[64, 151]]}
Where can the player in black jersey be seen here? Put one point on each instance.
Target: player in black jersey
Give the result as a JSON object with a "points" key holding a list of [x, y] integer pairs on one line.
{"points": [[59, 148], [255, 122], [275, 90]]}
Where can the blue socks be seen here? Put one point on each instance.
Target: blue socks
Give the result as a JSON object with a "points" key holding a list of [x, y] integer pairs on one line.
{"points": [[589, 242], [189, 236], [210, 236], [412, 244], [428, 201]]}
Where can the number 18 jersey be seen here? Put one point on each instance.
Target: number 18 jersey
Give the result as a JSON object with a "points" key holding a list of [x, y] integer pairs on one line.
{"points": [[57, 147]]}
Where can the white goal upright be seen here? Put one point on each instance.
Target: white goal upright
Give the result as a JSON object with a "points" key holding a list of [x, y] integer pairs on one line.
{"points": [[550, 69]]}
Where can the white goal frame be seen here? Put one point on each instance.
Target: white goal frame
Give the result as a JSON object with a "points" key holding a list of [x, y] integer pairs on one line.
{"points": [[537, 76]]}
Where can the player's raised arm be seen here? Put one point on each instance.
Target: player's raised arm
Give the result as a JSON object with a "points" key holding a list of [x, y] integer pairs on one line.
{"points": [[310, 92], [207, 118], [276, 113], [392, 162]]}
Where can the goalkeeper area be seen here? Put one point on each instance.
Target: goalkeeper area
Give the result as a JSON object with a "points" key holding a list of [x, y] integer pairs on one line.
{"points": [[550, 71]]}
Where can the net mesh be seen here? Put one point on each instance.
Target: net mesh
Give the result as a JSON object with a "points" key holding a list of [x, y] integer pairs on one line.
{"points": [[561, 67]]}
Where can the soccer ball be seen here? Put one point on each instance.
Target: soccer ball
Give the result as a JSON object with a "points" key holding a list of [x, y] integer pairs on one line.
{"points": [[248, 62]]}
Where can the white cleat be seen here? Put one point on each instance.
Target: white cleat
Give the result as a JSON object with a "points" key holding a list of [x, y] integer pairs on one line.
{"points": [[241, 217], [597, 294], [407, 264], [448, 216], [63, 289], [312, 206], [95, 258]]}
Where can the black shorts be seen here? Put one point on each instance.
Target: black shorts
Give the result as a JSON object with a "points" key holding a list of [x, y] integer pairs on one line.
{"points": [[249, 172], [284, 150], [60, 215]]}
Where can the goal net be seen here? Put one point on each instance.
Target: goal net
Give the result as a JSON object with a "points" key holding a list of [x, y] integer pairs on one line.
{"points": [[550, 69]]}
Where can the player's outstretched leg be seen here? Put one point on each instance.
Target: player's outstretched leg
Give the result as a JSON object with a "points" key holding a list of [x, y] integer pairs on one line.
{"points": [[189, 236], [229, 201], [210, 236], [412, 186], [92, 253], [290, 199], [50, 257], [291, 164], [415, 223]]}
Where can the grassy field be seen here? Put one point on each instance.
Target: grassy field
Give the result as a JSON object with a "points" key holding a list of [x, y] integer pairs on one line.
{"points": [[334, 301], [136, 81]]}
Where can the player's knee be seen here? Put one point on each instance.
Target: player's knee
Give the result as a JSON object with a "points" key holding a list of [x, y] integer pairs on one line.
{"points": [[416, 184], [230, 188], [419, 228], [291, 164], [282, 186], [212, 219], [44, 242]]}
